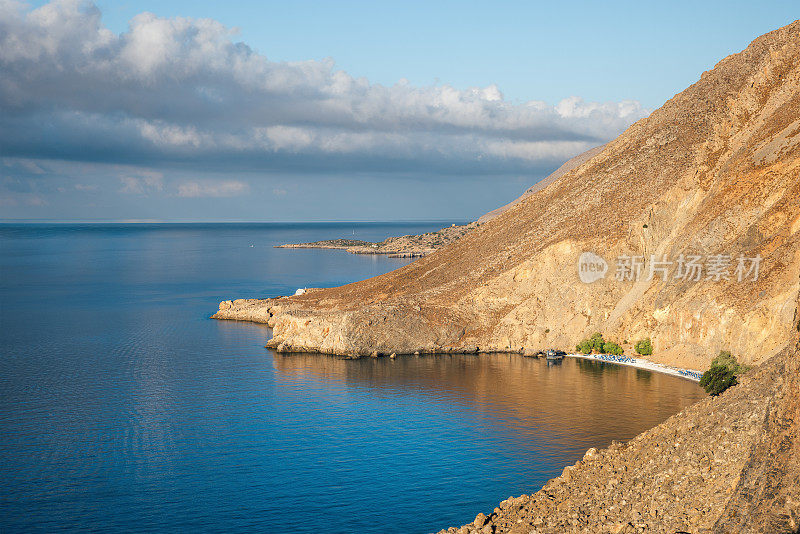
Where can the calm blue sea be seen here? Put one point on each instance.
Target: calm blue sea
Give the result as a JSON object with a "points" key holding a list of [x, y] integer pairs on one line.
{"points": [[124, 408]]}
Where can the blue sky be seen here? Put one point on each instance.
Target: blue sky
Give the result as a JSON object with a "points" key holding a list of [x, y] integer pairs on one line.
{"points": [[330, 110], [645, 51]]}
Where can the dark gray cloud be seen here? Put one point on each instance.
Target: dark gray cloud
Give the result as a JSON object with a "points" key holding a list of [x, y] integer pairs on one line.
{"points": [[181, 91]]}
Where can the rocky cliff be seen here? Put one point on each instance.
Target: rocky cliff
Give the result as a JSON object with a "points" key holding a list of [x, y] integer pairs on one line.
{"points": [[710, 179]]}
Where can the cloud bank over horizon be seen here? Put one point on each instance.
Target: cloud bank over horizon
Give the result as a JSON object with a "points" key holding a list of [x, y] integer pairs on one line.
{"points": [[180, 96]]}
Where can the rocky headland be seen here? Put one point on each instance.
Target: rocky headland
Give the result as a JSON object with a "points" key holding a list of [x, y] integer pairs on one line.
{"points": [[713, 175], [404, 246]]}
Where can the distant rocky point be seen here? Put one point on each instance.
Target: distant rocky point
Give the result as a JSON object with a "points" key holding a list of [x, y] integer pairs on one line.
{"points": [[402, 246], [423, 244]]}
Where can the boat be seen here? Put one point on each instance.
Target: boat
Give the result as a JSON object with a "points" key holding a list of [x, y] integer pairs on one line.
{"points": [[553, 354]]}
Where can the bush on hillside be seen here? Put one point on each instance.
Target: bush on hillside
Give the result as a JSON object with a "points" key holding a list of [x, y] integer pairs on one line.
{"points": [[593, 344], [717, 379], [644, 347], [612, 348], [722, 374], [596, 343], [726, 359]]}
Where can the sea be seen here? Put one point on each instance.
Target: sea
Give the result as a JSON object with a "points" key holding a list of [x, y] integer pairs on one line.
{"points": [[124, 408]]}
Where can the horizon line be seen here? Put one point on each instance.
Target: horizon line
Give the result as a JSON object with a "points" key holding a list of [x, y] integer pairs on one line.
{"points": [[159, 221]]}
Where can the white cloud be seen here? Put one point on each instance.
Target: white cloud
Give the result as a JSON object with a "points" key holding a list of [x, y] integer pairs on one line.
{"points": [[182, 90], [29, 165], [142, 182], [230, 188], [86, 187]]}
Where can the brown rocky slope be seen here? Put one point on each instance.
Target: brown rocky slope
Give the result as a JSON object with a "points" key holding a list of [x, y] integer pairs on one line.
{"points": [[713, 171]]}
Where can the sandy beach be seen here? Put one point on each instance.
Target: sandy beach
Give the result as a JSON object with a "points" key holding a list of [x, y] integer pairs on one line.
{"points": [[641, 363]]}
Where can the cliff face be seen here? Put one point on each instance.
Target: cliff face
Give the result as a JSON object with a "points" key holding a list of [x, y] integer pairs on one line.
{"points": [[712, 172]]}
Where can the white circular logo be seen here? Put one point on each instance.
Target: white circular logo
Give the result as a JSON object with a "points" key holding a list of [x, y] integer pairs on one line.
{"points": [[591, 267]]}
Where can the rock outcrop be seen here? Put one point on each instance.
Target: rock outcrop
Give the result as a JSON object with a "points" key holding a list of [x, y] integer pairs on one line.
{"points": [[714, 172]]}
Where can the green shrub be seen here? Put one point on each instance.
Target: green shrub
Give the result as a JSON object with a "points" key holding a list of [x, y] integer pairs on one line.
{"points": [[717, 379], [722, 374], [726, 359], [644, 347], [597, 342], [612, 348]]}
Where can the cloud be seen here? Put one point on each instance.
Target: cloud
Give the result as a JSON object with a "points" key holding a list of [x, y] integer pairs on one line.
{"points": [[86, 187], [142, 182], [229, 188], [24, 164], [182, 91]]}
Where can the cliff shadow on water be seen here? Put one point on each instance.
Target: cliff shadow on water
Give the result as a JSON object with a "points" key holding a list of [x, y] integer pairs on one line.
{"points": [[572, 405]]}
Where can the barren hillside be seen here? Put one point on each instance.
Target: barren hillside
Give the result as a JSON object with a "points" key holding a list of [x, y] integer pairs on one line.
{"points": [[712, 174]]}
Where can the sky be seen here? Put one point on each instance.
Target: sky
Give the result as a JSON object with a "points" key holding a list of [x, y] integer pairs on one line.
{"points": [[320, 111]]}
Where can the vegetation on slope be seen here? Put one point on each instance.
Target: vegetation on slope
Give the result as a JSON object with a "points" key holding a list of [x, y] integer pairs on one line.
{"points": [[597, 344], [722, 374]]}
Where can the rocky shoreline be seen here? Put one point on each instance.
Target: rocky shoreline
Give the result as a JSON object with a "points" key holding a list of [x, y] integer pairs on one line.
{"points": [[263, 311]]}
